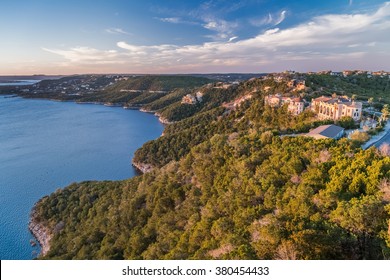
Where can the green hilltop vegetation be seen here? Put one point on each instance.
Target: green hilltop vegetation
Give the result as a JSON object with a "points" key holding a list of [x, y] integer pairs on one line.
{"points": [[360, 85], [226, 185], [158, 83], [141, 90]]}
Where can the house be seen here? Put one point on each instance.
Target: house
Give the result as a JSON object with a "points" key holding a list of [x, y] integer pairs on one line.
{"points": [[301, 85], [336, 107], [199, 96], [324, 72], [188, 99], [292, 83], [347, 73], [326, 131], [295, 104]]}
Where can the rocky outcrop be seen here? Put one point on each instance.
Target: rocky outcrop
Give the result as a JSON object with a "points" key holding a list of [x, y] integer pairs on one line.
{"points": [[41, 233], [143, 167], [162, 119], [147, 111]]}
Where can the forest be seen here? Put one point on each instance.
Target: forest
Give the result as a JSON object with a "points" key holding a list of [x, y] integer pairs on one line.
{"points": [[230, 183]]}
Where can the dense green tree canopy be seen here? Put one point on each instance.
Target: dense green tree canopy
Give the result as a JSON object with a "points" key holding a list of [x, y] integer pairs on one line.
{"points": [[231, 183]]}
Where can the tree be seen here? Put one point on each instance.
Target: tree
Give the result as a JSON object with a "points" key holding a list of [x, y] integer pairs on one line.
{"points": [[287, 251], [346, 122], [385, 112], [385, 149], [362, 217], [359, 136], [370, 102]]}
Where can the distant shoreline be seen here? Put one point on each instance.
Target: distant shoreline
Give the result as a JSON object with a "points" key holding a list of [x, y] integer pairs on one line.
{"points": [[11, 81]]}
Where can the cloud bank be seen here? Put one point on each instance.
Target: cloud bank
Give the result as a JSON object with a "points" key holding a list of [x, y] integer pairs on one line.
{"points": [[354, 40]]}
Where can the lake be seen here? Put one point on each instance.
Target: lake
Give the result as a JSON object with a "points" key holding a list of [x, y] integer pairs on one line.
{"points": [[46, 145], [18, 82]]}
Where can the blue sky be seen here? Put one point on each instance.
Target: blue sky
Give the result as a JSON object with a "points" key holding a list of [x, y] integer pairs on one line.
{"points": [[149, 36]]}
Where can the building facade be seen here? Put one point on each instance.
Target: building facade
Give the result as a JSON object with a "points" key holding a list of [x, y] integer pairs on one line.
{"points": [[336, 107], [295, 104]]}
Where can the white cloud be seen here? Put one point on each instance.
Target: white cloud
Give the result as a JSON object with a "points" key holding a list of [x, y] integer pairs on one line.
{"points": [[86, 55], [269, 19], [353, 45], [321, 42], [231, 39], [263, 21], [281, 18], [117, 31], [170, 19], [210, 15], [223, 28]]}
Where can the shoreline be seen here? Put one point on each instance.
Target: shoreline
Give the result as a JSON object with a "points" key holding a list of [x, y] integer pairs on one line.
{"points": [[40, 232]]}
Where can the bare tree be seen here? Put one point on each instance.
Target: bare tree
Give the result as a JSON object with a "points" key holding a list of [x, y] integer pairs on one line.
{"points": [[286, 251], [385, 149]]}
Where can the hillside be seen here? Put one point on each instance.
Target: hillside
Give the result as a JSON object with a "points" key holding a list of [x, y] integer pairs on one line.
{"points": [[226, 186], [232, 197], [359, 85], [158, 83], [141, 90]]}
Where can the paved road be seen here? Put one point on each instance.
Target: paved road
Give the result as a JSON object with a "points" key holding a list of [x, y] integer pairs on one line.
{"points": [[385, 139]]}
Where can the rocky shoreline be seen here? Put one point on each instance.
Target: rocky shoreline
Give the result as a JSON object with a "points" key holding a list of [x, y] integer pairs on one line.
{"points": [[162, 119], [147, 111], [41, 233]]}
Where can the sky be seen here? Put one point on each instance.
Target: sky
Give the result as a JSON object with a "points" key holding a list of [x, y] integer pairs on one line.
{"points": [[209, 36]]}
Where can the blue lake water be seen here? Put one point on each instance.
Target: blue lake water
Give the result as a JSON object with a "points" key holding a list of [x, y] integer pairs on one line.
{"points": [[46, 145], [19, 83]]}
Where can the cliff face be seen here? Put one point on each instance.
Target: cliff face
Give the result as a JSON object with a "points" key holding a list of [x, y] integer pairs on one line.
{"points": [[40, 232]]}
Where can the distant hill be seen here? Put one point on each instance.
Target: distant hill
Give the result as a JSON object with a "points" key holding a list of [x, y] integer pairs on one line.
{"points": [[33, 77], [158, 83], [141, 90]]}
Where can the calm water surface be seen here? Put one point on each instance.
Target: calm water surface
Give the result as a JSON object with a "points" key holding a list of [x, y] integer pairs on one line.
{"points": [[45, 145], [18, 83]]}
